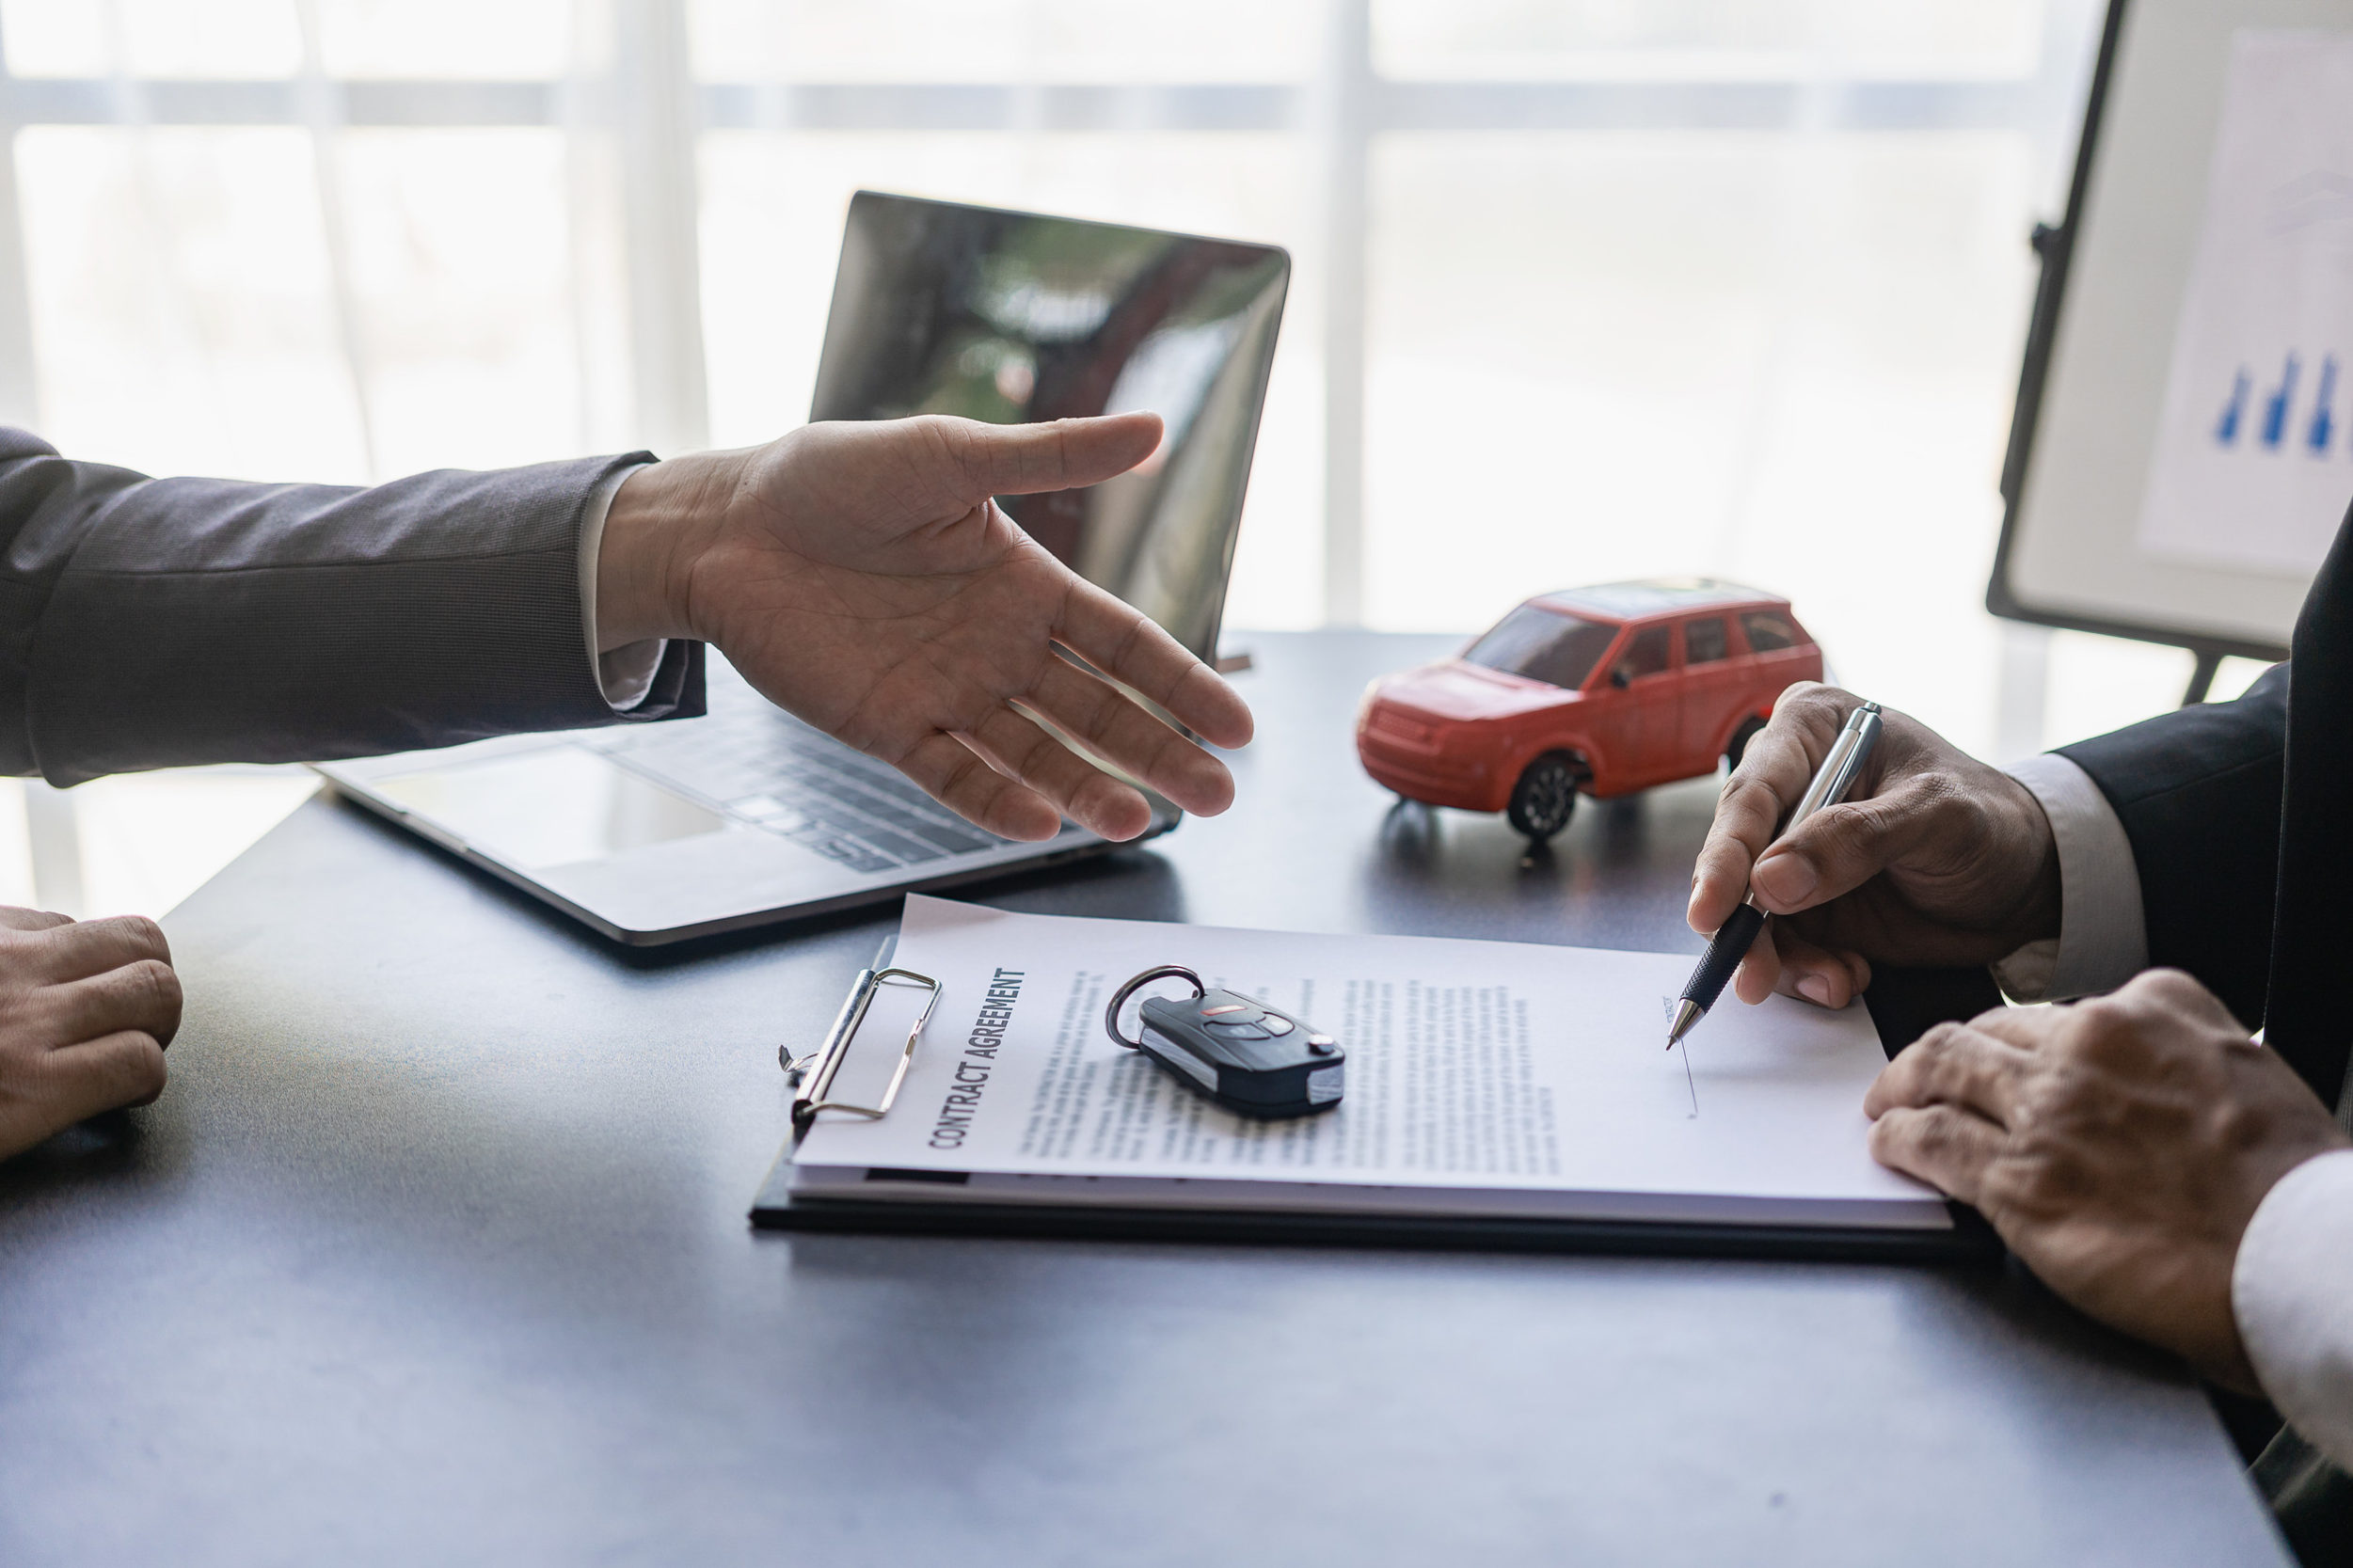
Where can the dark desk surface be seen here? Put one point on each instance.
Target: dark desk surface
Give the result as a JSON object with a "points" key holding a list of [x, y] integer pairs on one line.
{"points": [[434, 1251]]}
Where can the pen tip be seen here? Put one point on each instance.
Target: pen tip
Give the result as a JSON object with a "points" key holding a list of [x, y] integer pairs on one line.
{"points": [[1687, 1013]]}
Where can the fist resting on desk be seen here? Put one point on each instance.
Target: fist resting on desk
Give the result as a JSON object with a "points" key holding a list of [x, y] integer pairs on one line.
{"points": [[86, 1011], [2121, 1145]]}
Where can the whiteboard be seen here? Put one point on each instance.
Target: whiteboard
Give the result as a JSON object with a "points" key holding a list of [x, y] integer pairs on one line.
{"points": [[2183, 446]]}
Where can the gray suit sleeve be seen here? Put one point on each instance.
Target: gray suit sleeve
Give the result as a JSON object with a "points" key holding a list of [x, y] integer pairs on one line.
{"points": [[150, 623]]}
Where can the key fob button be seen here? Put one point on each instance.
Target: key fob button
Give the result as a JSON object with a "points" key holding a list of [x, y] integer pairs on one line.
{"points": [[1276, 1025], [1234, 1029]]}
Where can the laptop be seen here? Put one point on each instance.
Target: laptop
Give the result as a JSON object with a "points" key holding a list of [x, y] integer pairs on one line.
{"points": [[652, 833]]}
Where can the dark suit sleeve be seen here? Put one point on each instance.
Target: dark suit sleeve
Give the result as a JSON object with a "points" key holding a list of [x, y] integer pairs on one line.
{"points": [[2198, 792], [149, 623]]}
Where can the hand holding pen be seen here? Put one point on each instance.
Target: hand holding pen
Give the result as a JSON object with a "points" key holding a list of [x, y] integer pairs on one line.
{"points": [[1934, 858], [1840, 766]]}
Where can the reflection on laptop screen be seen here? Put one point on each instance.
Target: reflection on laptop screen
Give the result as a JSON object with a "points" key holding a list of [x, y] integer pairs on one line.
{"points": [[1011, 317]]}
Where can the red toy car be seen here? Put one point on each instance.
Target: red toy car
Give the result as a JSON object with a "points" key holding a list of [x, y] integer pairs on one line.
{"points": [[1606, 689]]}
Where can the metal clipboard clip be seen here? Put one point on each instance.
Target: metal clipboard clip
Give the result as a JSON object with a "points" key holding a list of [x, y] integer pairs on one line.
{"points": [[813, 1074]]}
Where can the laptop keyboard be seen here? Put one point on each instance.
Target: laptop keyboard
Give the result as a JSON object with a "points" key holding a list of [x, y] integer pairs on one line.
{"points": [[764, 767]]}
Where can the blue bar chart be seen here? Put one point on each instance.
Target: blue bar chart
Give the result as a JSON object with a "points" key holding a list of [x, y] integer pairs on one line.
{"points": [[2282, 412]]}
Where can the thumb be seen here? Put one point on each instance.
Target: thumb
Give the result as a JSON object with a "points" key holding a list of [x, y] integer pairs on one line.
{"points": [[1023, 459], [1840, 847]]}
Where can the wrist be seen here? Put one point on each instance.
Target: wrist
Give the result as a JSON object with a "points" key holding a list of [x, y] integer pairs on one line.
{"points": [[661, 520]]}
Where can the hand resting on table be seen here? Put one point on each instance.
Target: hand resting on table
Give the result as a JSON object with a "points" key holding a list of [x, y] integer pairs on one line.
{"points": [[2120, 1146], [86, 1011]]}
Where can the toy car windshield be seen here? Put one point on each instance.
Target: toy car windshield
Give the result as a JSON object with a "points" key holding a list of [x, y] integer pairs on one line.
{"points": [[1548, 645]]}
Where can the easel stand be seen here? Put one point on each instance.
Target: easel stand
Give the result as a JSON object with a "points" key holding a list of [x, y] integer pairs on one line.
{"points": [[2202, 675]]}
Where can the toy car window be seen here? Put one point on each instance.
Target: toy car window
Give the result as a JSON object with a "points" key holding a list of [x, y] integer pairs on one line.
{"points": [[1646, 655], [1704, 641], [1769, 632], [1544, 645]]}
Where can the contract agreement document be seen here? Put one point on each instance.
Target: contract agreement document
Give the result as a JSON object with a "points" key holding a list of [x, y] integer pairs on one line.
{"points": [[1484, 1079]]}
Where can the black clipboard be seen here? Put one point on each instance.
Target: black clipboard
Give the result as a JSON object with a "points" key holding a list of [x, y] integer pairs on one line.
{"points": [[1904, 1004]]}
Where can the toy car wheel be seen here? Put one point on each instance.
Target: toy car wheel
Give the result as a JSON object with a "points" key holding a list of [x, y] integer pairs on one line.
{"points": [[1738, 747], [1545, 796]]}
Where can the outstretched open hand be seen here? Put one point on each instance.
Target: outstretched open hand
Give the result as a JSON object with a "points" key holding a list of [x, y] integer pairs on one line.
{"points": [[859, 576]]}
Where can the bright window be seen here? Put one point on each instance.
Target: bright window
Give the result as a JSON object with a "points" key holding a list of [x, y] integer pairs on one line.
{"points": [[1585, 289]]}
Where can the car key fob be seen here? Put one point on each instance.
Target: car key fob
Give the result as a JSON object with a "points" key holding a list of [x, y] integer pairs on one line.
{"points": [[1251, 1058]]}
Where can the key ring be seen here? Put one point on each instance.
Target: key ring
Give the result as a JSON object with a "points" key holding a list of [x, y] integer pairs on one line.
{"points": [[1166, 971]]}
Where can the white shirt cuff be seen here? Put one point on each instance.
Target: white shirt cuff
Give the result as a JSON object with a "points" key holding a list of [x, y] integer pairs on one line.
{"points": [[2102, 930], [2291, 1293], [627, 674]]}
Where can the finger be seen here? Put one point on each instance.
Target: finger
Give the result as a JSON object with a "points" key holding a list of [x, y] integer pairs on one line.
{"points": [[1107, 723], [1840, 847], [77, 1082], [31, 920], [1077, 788], [143, 996], [1817, 975], [1958, 1064], [1759, 974], [961, 780], [1061, 454], [1773, 773], [1125, 643], [1943, 1145], [76, 950]]}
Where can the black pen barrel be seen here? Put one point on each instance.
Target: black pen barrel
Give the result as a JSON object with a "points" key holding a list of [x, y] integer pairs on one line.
{"points": [[1724, 952]]}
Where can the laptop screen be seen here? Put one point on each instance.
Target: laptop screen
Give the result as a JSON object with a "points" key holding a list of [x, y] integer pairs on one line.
{"points": [[1012, 317]]}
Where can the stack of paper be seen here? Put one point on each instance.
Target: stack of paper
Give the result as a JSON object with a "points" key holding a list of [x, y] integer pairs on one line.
{"points": [[1484, 1078]]}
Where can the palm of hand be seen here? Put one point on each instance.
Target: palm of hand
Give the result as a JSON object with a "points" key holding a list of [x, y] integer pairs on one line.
{"points": [[926, 628], [861, 576]]}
